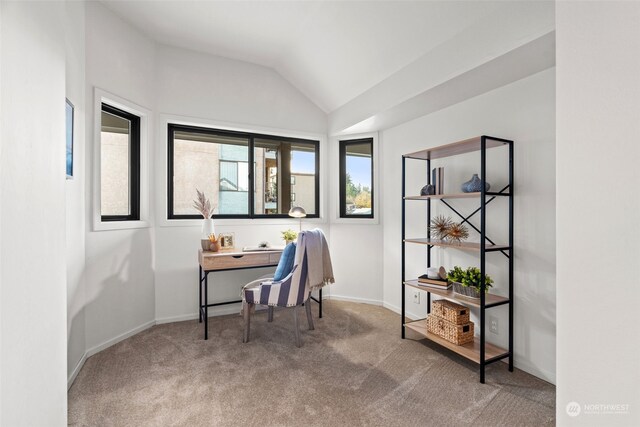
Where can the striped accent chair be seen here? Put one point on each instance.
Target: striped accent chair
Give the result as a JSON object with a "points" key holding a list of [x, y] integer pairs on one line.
{"points": [[292, 291]]}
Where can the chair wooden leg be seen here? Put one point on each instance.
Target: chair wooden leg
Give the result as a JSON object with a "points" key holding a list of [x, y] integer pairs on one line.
{"points": [[246, 312], [307, 307], [270, 314], [295, 325]]}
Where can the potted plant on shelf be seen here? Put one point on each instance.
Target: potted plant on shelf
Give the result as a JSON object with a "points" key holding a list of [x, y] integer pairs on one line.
{"points": [[468, 282], [289, 236]]}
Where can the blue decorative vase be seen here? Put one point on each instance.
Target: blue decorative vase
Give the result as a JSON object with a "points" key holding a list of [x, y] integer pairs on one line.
{"points": [[474, 185]]}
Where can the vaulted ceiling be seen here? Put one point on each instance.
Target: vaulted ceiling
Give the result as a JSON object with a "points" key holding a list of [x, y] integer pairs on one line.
{"points": [[332, 51]]}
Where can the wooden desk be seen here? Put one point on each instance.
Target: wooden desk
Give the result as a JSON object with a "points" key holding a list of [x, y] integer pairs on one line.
{"points": [[224, 261]]}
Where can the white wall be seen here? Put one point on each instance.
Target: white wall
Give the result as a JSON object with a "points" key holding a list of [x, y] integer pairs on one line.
{"points": [[356, 244], [219, 92], [32, 249], [203, 86], [598, 113], [75, 188], [523, 111], [119, 278]]}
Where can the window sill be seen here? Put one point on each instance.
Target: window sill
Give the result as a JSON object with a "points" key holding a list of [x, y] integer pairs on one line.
{"points": [[119, 225], [356, 221], [239, 222]]}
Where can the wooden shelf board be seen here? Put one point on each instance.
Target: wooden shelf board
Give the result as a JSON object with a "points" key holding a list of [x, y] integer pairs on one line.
{"points": [[490, 299], [454, 196], [444, 196], [465, 246], [470, 350], [460, 147]]}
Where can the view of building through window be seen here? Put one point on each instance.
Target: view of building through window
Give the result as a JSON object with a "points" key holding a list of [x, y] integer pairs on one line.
{"points": [[115, 165], [218, 164], [287, 177], [214, 164], [357, 180]]}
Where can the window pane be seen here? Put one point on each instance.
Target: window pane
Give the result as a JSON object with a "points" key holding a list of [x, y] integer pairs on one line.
{"points": [[358, 166], [214, 164], [228, 176], [115, 165], [285, 175]]}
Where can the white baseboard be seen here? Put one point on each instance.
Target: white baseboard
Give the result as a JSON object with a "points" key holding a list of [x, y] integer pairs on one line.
{"points": [[90, 352], [218, 311], [397, 310], [98, 348], [76, 370], [353, 299], [391, 307]]}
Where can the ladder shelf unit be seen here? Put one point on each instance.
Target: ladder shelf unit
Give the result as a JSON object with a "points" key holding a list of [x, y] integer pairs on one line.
{"points": [[479, 351]]}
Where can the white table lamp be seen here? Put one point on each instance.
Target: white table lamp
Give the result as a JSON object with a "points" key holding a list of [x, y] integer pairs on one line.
{"points": [[298, 212]]}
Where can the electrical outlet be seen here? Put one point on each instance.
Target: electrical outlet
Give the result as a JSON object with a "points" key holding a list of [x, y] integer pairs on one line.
{"points": [[416, 297], [493, 321]]}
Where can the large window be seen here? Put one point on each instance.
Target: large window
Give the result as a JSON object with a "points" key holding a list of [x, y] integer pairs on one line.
{"points": [[356, 178], [284, 173], [119, 165]]}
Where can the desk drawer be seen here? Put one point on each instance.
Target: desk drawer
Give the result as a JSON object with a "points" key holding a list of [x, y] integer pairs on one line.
{"points": [[274, 258], [235, 261]]}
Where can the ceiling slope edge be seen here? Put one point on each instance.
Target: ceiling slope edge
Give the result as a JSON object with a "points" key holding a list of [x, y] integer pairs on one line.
{"points": [[468, 57], [531, 58]]}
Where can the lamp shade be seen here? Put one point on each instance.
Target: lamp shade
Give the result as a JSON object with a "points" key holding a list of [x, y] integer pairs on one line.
{"points": [[297, 212]]}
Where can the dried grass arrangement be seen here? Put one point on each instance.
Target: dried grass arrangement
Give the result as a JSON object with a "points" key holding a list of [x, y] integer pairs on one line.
{"points": [[202, 205]]}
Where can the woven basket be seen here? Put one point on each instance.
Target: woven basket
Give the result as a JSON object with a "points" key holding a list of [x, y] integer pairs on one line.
{"points": [[450, 311], [467, 291], [456, 334]]}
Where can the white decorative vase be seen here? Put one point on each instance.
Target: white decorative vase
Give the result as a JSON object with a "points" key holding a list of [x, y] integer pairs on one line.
{"points": [[207, 228]]}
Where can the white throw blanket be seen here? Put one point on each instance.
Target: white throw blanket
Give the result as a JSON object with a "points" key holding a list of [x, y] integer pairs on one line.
{"points": [[314, 244]]}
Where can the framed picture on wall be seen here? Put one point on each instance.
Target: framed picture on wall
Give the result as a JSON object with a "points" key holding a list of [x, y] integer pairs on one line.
{"points": [[227, 240], [69, 128]]}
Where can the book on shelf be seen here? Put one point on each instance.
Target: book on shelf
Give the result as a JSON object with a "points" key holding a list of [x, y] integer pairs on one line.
{"points": [[429, 285], [433, 283], [437, 179]]}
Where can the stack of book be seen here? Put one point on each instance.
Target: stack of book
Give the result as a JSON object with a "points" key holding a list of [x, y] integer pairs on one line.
{"points": [[433, 283]]}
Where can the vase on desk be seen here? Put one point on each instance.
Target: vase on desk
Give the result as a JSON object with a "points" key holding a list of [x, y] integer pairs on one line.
{"points": [[207, 228]]}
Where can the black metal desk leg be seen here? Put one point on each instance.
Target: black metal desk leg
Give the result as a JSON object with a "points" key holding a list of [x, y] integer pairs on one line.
{"points": [[320, 303], [206, 305], [200, 294]]}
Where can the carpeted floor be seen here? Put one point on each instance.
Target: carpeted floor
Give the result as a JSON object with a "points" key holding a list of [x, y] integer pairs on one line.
{"points": [[353, 369]]}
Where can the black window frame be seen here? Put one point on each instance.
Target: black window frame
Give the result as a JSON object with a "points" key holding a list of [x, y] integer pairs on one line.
{"points": [[134, 164], [343, 178], [173, 127]]}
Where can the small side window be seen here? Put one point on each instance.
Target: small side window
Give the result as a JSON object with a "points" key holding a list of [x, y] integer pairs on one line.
{"points": [[119, 165], [356, 178]]}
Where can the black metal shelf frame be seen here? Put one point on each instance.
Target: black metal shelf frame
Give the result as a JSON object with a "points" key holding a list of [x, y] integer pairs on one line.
{"points": [[484, 239]]}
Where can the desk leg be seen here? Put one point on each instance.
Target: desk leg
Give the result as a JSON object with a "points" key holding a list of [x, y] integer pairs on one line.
{"points": [[200, 294], [320, 303], [206, 304]]}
